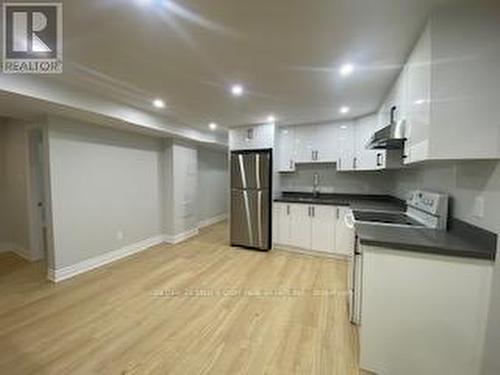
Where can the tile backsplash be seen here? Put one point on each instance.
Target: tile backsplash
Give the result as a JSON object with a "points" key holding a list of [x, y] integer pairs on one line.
{"points": [[331, 181]]}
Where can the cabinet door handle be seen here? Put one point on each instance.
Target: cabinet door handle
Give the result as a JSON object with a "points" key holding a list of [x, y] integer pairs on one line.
{"points": [[379, 159], [291, 164], [339, 164], [312, 155], [316, 155], [354, 162], [288, 210], [338, 213], [313, 211]]}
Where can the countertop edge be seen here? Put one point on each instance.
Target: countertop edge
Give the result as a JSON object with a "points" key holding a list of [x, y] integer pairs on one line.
{"points": [[435, 250], [312, 201]]}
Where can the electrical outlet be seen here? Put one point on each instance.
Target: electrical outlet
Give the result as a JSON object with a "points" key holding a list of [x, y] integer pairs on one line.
{"points": [[478, 210], [119, 235]]}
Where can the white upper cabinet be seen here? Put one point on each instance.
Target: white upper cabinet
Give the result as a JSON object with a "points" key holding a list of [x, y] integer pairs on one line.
{"points": [[448, 90], [418, 83], [304, 143], [346, 146], [465, 81], [326, 145], [252, 137], [343, 143], [316, 143], [286, 149]]}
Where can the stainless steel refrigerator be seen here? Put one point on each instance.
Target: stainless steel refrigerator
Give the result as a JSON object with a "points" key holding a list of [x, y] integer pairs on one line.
{"points": [[251, 186]]}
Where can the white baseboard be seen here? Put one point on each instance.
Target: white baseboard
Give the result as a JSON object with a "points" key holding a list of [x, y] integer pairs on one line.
{"points": [[64, 273], [16, 249], [23, 253], [321, 254], [173, 239], [5, 247], [212, 221]]}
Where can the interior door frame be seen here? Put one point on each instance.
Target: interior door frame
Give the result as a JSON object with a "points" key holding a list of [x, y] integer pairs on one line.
{"points": [[39, 225]]}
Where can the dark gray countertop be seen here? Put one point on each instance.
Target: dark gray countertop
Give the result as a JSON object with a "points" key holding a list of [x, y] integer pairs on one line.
{"points": [[355, 201], [430, 241], [462, 240]]}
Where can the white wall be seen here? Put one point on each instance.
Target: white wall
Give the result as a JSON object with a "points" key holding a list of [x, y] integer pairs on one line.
{"points": [[331, 181], [213, 183], [105, 190], [465, 181]]}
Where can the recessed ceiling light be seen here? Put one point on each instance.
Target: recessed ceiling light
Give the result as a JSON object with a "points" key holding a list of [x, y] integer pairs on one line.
{"points": [[271, 118], [158, 103], [344, 110], [420, 101], [212, 126], [346, 70], [343, 127], [237, 90]]}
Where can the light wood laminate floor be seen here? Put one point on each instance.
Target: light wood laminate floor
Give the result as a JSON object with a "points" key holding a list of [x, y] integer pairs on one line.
{"points": [[199, 307]]}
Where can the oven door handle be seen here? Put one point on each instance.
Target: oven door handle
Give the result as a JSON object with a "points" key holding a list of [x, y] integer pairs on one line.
{"points": [[357, 290]]}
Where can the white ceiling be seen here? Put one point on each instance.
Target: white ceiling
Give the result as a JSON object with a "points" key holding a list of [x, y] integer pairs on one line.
{"points": [[285, 52]]}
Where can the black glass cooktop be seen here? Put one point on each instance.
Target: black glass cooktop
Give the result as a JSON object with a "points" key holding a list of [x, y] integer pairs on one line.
{"points": [[395, 218]]}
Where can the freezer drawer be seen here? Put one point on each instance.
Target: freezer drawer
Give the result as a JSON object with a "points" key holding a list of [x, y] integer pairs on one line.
{"points": [[250, 218]]}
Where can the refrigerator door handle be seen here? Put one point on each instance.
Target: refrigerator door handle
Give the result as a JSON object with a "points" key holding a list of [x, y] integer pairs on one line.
{"points": [[257, 170], [248, 217], [259, 217], [242, 170]]}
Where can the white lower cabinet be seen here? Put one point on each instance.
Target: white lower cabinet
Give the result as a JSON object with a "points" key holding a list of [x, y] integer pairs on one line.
{"points": [[281, 223], [300, 226], [344, 232], [313, 227], [323, 226], [422, 313]]}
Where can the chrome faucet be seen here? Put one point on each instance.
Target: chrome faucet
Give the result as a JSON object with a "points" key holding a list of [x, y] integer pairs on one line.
{"points": [[316, 185]]}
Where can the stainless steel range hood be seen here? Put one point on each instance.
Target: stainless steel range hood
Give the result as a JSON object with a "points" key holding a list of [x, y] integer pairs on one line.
{"points": [[390, 137]]}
